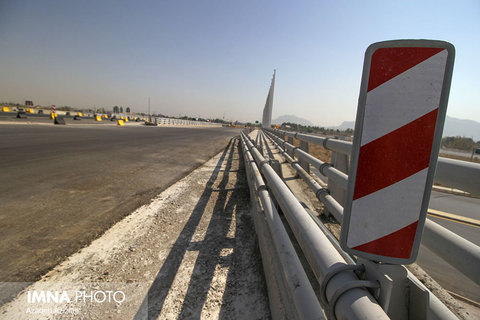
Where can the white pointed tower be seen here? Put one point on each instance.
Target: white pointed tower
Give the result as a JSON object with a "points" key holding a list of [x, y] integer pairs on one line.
{"points": [[267, 110]]}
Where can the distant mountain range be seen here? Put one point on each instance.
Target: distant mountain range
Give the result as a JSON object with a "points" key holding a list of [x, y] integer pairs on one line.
{"points": [[462, 127], [345, 125], [453, 126], [292, 119]]}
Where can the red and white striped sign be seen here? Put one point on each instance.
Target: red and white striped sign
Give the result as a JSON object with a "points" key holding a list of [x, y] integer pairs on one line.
{"points": [[400, 118]]}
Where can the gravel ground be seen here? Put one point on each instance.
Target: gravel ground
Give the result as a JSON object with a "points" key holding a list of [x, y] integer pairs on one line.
{"points": [[190, 253]]}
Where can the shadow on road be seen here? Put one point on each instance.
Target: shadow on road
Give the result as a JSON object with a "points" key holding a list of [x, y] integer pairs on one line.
{"points": [[211, 250]]}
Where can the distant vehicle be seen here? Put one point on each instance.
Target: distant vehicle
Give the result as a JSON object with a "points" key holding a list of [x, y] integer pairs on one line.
{"points": [[40, 111]]}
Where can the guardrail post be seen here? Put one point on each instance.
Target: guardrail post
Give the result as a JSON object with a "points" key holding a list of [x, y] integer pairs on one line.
{"points": [[393, 294], [275, 164], [339, 162], [401, 295], [304, 164], [290, 152]]}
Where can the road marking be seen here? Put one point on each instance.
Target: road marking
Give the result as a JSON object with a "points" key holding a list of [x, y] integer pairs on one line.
{"points": [[464, 299], [454, 217]]}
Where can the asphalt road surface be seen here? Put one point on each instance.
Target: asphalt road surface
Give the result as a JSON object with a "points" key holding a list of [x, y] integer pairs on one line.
{"points": [[458, 205], [62, 186]]}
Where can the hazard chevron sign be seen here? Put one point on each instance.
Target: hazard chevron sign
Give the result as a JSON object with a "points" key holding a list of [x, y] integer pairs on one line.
{"points": [[400, 117]]}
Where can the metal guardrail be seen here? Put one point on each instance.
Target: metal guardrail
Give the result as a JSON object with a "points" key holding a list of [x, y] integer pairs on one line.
{"points": [[342, 293], [462, 254], [167, 121], [355, 302], [453, 173], [458, 174], [321, 192], [173, 121], [336, 145], [301, 301]]}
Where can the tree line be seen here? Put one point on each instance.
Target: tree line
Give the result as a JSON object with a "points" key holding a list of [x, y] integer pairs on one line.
{"points": [[459, 143], [288, 126]]}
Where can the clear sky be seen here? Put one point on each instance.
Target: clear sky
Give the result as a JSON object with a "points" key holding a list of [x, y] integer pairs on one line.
{"points": [[216, 58]]}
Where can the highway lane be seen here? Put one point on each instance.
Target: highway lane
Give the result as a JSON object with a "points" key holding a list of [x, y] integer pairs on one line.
{"points": [[446, 275], [456, 204], [62, 186]]}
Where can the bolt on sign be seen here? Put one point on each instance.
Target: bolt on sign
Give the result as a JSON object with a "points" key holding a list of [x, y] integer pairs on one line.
{"points": [[400, 117]]}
